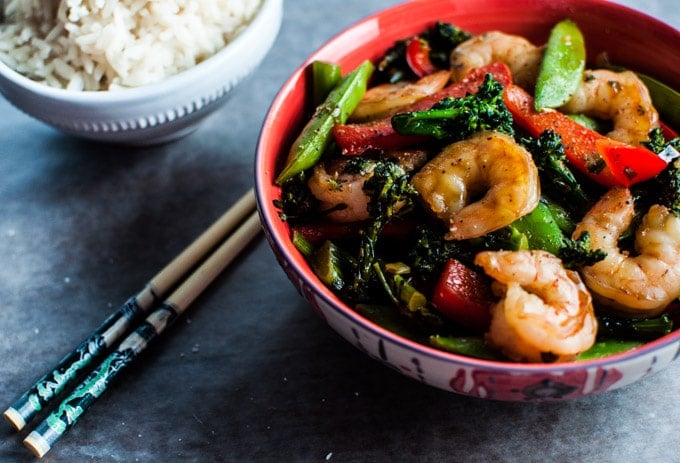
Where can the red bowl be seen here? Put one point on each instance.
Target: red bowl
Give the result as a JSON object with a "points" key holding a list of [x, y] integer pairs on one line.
{"points": [[628, 37]]}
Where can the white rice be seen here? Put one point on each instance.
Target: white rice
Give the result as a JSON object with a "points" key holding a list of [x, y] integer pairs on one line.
{"points": [[114, 44]]}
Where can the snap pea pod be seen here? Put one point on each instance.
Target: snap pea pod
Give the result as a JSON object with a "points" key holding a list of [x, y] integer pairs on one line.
{"points": [[560, 215], [302, 244], [608, 347], [540, 229], [562, 67], [316, 135], [589, 122], [325, 77], [464, 345], [327, 263]]}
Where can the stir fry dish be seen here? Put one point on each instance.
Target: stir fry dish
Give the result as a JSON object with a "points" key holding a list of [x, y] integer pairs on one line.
{"points": [[491, 197]]}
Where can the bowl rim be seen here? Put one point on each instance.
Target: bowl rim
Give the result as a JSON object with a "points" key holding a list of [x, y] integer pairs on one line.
{"points": [[285, 248], [267, 10]]}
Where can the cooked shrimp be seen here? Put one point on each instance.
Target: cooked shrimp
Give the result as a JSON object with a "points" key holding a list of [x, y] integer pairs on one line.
{"points": [[386, 99], [479, 185], [340, 192], [619, 96], [642, 284], [545, 312], [522, 57]]}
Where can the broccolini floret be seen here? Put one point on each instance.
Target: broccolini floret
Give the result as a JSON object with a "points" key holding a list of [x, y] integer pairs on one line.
{"points": [[441, 38], [454, 119], [389, 190], [557, 179], [430, 251], [296, 202], [666, 187], [579, 253], [658, 144]]}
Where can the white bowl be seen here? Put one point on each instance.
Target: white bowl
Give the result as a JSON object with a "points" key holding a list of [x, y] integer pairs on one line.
{"points": [[154, 113]]}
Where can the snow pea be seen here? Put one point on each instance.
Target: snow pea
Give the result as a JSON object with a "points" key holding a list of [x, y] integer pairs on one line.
{"points": [[562, 67], [325, 77], [336, 108], [465, 345], [608, 347], [540, 229]]}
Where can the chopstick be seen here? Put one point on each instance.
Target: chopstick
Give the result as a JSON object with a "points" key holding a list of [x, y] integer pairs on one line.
{"points": [[117, 325], [120, 321]]}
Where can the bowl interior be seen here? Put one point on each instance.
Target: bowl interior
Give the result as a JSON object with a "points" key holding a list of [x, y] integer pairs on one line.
{"points": [[628, 38]]}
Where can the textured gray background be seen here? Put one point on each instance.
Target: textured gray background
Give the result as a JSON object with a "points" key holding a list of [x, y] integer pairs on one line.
{"points": [[251, 374]]}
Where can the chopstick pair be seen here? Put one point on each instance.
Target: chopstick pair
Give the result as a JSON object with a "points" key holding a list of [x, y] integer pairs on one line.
{"points": [[241, 218]]}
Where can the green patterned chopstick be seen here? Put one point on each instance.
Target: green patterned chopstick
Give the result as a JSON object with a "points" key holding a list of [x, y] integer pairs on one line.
{"points": [[48, 432], [119, 323]]}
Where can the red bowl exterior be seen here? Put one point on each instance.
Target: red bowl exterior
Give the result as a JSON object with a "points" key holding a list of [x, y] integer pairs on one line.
{"points": [[628, 37]]}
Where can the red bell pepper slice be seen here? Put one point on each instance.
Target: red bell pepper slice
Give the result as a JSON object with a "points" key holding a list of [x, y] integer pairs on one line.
{"points": [[418, 57], [607, 161], [464, 296], [354, 139]]}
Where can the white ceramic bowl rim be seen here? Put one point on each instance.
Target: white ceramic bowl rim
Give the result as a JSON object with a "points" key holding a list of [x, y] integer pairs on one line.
{"points": [[330, 299], [212, 63]]}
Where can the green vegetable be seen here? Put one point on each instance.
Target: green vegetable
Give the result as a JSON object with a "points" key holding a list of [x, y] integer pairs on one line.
{"points": [[557, 179], [469, 346], [455, 119], [327, 263], [400, 290], [578, 252], [560, 215], [668, 149], [302, 244], [666, 187], [430, 251], [387, 186], [325, 77], [608, 347], [637, 329], [562, 67], [296, 202], [316, 135], [589, 122], [441, 38], [540, 230]]}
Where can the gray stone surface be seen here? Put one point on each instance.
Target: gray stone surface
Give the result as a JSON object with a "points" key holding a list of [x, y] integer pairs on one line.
{"points": [[251, 373]]}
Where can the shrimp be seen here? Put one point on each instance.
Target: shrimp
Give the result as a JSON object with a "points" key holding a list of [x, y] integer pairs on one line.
{"points": [[522, 57], [636, 285], [386, 99], [619, 96], [340, 192], [462, 172], [545, 312]]}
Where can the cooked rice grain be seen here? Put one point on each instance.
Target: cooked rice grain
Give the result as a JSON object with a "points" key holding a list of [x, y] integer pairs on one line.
{"points": [[106, 44]]}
